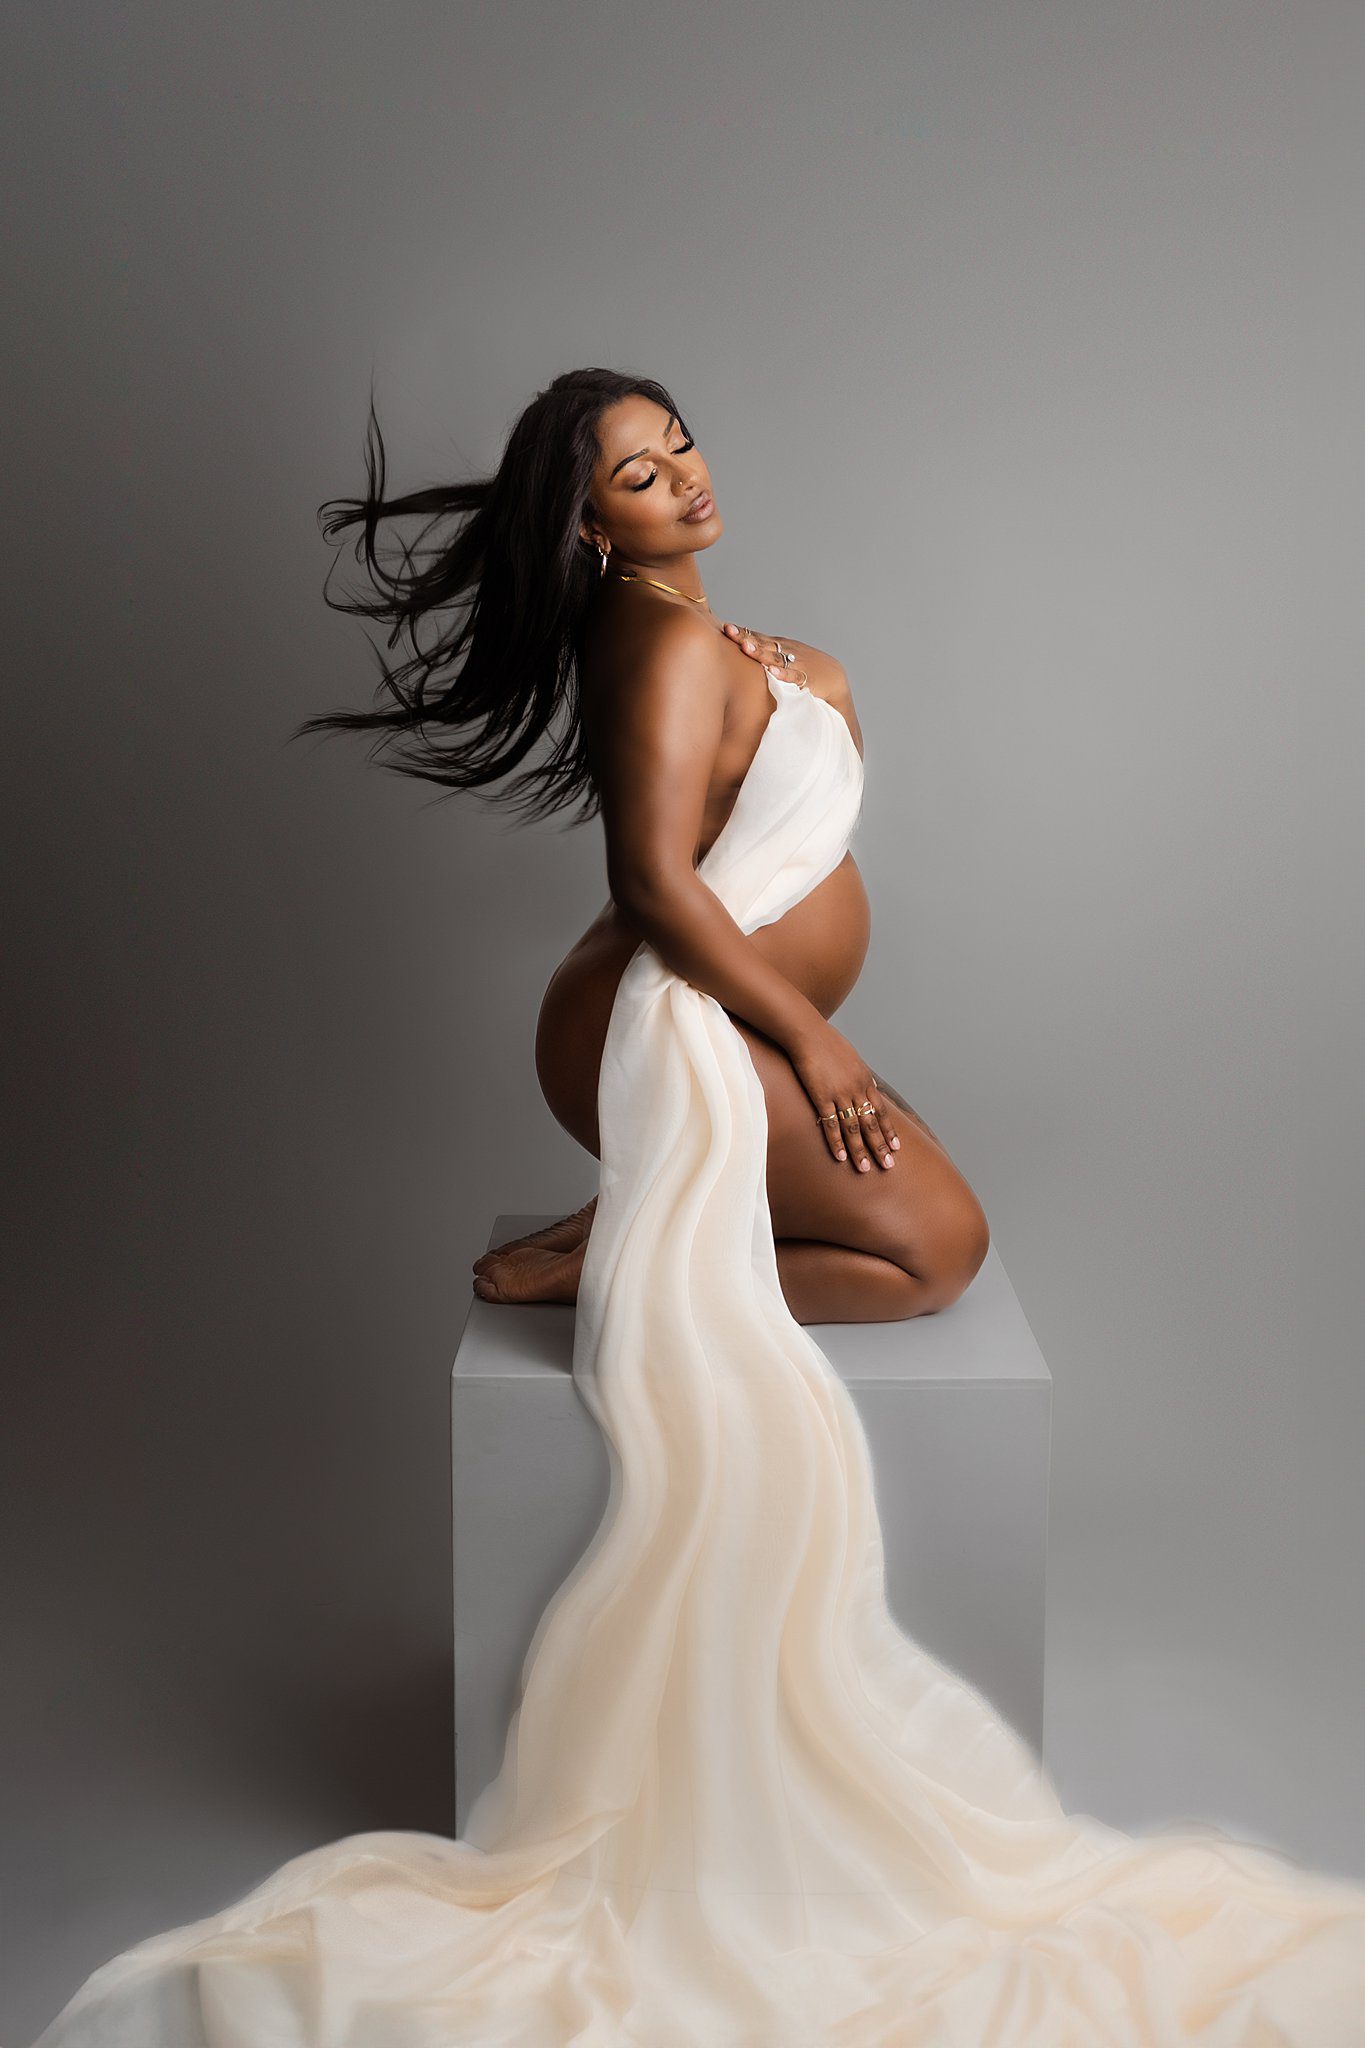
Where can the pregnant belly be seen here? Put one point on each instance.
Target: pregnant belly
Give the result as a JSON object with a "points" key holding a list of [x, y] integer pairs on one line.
{"points": [[820, 945]]}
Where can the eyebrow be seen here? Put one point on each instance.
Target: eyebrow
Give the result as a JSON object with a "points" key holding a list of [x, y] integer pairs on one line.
{"points": [[671, 421]]}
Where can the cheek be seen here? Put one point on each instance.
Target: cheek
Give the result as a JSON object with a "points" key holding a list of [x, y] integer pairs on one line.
{"points": [[649, 511]]}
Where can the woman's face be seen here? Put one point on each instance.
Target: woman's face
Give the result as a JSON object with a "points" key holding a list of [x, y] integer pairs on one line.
{"points": [[647, 476]]}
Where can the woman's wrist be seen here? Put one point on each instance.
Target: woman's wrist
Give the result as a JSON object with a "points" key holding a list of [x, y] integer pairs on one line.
{"points": [[805, 1032]]}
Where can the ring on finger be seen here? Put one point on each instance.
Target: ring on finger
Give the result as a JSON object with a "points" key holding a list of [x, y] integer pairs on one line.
{"points": [[850, 1114]]}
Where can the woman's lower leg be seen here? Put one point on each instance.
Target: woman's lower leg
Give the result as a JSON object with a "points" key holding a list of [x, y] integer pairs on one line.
{"points": [[833, 1283]]}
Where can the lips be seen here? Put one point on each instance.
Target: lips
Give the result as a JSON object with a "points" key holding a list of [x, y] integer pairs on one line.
{"points": [[701, 507]]}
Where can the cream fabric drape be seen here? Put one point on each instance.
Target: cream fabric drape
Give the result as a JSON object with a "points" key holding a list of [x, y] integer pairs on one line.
{"points": [[739, 1808]]}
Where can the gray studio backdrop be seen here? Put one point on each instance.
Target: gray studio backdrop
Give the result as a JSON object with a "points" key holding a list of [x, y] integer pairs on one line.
{"points": [[1020, 341]]}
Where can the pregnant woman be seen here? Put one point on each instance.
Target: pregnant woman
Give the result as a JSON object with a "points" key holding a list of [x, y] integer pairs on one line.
{"points": [[738, 1806], [673, 717]]}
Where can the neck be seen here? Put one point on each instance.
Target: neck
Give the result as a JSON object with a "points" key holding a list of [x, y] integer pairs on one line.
{"points": [[679, 570]]}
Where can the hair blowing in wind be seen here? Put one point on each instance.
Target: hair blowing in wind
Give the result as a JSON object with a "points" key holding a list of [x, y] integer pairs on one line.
{"points": [[483, 606]]}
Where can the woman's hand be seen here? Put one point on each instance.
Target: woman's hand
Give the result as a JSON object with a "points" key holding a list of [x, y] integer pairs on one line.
{"points": [[838, 1079], [769, 652]]}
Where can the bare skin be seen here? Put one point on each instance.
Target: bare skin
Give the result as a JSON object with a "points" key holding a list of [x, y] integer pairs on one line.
{"points": [[674, 706]]}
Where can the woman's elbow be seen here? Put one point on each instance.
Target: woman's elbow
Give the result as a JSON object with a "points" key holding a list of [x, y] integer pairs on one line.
{"points": [[647, 894]]}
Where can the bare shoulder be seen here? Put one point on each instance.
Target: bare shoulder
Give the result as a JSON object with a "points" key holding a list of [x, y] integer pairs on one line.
{"points": [[656, 688]]}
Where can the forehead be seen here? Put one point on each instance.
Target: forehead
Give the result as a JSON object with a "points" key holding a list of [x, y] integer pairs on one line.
{"points": [[632, 422]]}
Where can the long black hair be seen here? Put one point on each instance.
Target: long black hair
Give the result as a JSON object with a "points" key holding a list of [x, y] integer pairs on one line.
{"points": [[517, 579]]}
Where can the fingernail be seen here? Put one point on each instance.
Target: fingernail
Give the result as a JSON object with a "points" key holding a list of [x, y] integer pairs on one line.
{"points": [[887, 1160], [841, 1155], [864, 1166], [895, 1144]]}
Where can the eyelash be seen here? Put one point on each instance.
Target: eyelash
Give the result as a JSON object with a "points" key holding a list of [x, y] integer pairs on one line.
{"points": [[649, 479]]}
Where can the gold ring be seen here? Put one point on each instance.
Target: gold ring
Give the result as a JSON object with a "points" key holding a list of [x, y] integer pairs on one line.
{"points": [[850, 1115]]}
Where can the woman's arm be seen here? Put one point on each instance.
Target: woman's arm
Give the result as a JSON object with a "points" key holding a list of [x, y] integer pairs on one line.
{"points": [[656, 758], [654, 749]]}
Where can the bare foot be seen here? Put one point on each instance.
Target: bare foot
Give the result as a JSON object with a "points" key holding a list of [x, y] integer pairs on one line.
{"points": [[531, 1272], [564, 1236]]}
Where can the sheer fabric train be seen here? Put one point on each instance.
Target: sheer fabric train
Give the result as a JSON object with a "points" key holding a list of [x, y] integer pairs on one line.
{"points": [[738, 1807]]}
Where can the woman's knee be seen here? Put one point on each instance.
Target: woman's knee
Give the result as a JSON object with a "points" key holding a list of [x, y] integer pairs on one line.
{"points": [[948, 1249]]}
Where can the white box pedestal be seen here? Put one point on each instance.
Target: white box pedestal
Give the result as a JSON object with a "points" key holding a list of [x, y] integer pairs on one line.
{"points": [[958, 1412]]}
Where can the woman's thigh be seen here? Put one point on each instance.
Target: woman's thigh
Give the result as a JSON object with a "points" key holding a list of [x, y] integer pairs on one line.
{"points": [[919, 1213]]}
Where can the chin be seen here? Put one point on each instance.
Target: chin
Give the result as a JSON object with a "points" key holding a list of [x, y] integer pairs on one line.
{"points": [[710, 530]]}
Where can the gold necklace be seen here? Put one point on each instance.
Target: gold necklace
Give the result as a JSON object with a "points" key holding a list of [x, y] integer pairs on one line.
{"points": [[633, 576]]}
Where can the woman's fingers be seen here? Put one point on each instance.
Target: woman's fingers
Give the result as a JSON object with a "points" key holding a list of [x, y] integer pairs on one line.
{"points": [[853, 1136], [752, 643], [858, 1135], [768, 650], [832, 1126], [877, 1136], [762, 647]]}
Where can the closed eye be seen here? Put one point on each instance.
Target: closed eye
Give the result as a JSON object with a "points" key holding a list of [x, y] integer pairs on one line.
{"points": [[650, 478]]}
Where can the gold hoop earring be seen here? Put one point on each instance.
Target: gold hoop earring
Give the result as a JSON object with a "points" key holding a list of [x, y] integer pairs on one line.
{"points": [[603, 553]]}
